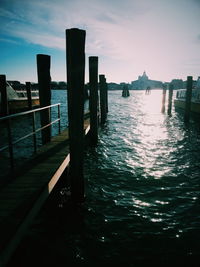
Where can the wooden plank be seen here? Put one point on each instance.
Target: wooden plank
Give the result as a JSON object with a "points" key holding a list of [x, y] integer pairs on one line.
{"points": [[22, 199]]}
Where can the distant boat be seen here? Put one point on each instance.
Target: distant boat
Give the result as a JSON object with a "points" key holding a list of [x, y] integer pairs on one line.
{"points": [[18, 101], [125, 91], [179, 101]]}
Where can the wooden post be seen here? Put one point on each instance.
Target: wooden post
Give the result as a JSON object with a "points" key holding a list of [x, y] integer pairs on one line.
{"points": [[93, 102], [188, 98], [4, 100], [44, 83], [106, 92], [102, 85], [28, 91], [169, 110], [5, 112], [163, 98], [75, 44]]}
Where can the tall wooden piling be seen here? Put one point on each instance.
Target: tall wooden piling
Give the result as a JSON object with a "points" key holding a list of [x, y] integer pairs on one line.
{"points": [[103, 107], [170, 95], [188, 98], [44, 83], [75, 44], [28, 91], [93, 102], [4, 99], [163, 98], [106, 89], [30, 106]]}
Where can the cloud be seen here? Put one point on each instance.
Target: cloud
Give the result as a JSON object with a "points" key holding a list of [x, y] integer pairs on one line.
{"points": [[8, 40], [44, 22], [131, 33]]}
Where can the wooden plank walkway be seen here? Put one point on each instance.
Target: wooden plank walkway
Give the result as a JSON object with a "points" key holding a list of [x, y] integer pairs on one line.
{"points": [[21, 199]]}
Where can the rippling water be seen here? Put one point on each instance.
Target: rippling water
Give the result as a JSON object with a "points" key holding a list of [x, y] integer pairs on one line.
{"points": [[142, 189]]}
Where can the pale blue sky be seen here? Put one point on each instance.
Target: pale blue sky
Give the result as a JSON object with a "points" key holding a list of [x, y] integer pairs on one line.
{"points": [[161, 37]]}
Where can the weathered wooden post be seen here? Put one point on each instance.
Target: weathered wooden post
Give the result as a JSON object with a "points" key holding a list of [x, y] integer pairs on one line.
{"points": [[106, 92], [28, 91], [93, 102], [5, 112], [188, 98], [170, 95], [75, 44], [102, 87], [163, 98], [44, 83], [4, 99]]}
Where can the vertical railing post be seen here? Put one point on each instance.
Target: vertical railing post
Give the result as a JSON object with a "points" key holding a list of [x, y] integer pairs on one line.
{"points": [[75, 44], [170, 95], [102, 88], [93, 101], [44, 84], [188, 98]]}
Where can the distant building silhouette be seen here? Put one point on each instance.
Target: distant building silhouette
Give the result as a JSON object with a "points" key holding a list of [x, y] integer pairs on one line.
{"points": [[143, 82], [198, 83], [178, 84]]}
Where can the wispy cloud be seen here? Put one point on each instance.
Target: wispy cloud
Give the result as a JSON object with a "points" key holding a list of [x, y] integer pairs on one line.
{"points": [[43, 22], [8, 40]]}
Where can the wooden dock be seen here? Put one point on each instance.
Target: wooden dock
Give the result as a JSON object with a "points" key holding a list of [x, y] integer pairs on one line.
{"points": [[21, 199]]}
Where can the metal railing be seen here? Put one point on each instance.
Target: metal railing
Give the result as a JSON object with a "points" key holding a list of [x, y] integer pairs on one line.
{"points": [[11, 143]]}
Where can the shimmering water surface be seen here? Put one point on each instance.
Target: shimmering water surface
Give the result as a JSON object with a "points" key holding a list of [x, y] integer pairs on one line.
{"points": [[142, 195]]}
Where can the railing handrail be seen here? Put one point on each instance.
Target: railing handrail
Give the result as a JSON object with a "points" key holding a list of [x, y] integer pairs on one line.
{"points": [[33, 133], [27, 112]]}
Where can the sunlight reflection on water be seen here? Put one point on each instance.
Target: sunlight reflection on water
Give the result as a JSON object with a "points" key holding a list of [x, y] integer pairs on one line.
{"points": [[143, 156], [142, 192]]}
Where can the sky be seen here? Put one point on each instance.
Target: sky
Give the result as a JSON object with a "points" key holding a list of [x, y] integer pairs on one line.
{"points": [[161, 37]]}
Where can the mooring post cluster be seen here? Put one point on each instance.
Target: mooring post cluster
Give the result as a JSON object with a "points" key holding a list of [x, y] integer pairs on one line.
{"points": [[75, 57], [98, 103], [188, 98]]}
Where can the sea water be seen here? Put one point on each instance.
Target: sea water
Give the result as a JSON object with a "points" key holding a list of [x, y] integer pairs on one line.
{"points": [[142, 195]]}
